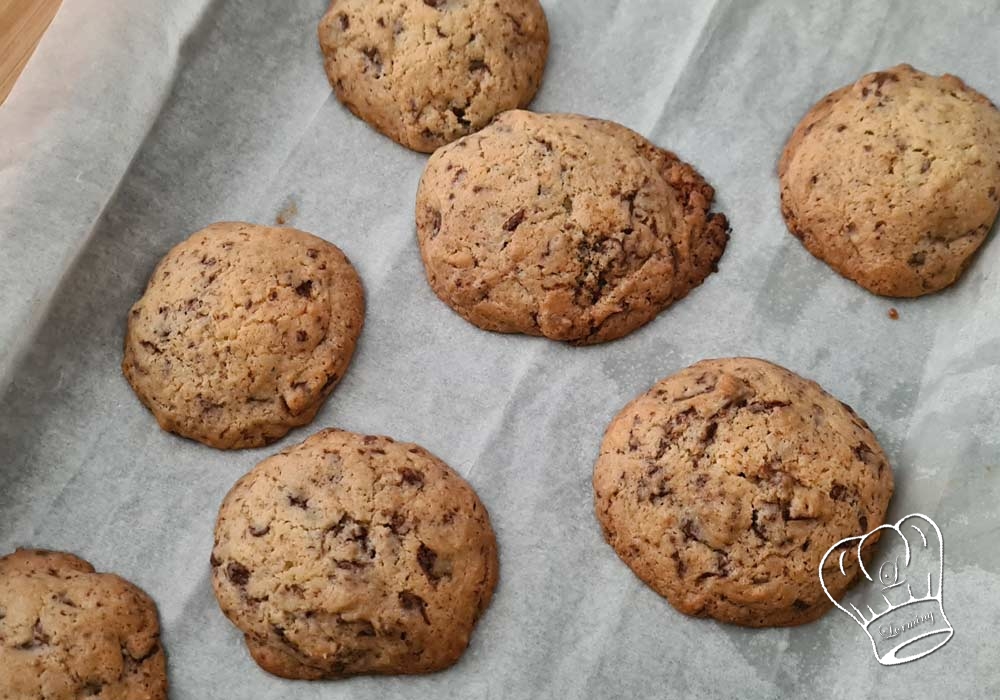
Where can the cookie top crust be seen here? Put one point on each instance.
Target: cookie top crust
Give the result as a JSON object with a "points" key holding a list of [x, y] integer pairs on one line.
{"points": [[894, 181], [426, 72], [243, 332], [353, 554], [723, 486], [68, 632], [564, 226]]}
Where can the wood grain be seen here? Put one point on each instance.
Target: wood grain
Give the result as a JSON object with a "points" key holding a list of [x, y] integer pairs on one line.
{"points": [[22, 23]]}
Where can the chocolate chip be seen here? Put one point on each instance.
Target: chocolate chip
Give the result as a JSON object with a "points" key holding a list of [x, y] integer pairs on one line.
{"points": [[259, 530], [838, 492], [476, 65], [411, 601], [304, 289], [411, 477], [863, 452], [344, 21], [434, 3], [681, 566], [863, 521], [374, 59], [916, 260], [238, 573], [765, 406], [302, 336], [38, 637], [397, 523], [427, 558], [925, 166], [298, 501], [460, 116], [348, 565], [214, 560], [435, 221], [514, 221], [312, 253], [799, 604]]}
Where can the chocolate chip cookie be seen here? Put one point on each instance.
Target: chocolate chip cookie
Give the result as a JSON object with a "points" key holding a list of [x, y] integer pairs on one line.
{"points": [[559, 225], [425, 72], [894, 181], [242, 333], [723, 485], [67, 632], [353, 554]]}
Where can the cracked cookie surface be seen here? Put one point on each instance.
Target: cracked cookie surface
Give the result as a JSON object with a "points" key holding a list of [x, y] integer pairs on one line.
{"points": [[242, 333], [353, 554], [724, 484], [894, 181], [425, 72], [564, 226], [68, 632]]}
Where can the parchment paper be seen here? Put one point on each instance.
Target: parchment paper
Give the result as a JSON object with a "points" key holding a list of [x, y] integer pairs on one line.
{"points": [[138, 122]]}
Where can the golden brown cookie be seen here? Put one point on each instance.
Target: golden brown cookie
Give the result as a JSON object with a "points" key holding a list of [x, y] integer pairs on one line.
{"points": [[67, 632], [564, 226], [353, 554], [425, 72], [242, 333], [894, 181], [723, 485]]}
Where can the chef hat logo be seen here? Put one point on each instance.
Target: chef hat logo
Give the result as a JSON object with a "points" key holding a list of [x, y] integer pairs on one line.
{"points": [[898, 600]]}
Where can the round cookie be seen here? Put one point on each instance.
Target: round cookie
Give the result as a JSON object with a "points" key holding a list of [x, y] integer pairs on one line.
{"points": [[353, 554], [723, 485], [68, 632], [242, 333], [894, 181], [425, 72], [559, 225]]}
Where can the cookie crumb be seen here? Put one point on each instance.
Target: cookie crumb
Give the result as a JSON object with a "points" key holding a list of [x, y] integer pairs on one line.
{"points": [[893, 313], [286, 213]]}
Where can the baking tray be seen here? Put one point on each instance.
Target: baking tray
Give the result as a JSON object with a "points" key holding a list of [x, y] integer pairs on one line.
{"points": [[139, 122]]}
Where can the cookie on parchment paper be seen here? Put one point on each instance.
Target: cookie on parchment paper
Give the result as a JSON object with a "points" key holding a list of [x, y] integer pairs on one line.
{"points": [[564, 226], [723, 486], [242, 333], [353, 554], [894, 181], [68, 632], [425, 72]]}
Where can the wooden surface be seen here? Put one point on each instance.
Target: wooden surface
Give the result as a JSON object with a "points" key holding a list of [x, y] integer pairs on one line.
{"points": [[22, 23]]}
